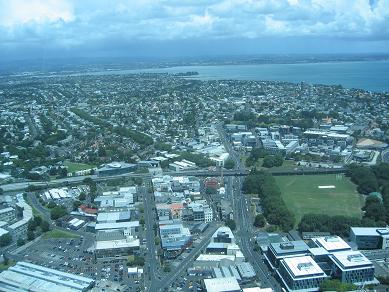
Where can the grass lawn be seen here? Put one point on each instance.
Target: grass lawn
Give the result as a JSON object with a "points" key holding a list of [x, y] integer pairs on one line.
{"points": [[74, 166], [302, 195], [6, 266], [55, 233]]}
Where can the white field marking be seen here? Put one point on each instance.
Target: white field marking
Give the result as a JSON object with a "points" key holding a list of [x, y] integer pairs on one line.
{"points": [[326, 187]]}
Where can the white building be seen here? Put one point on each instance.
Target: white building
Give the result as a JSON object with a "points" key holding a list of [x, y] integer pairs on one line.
{"points": [[370, 237], [353, 267], [301, 274], [29, 277], [229, 284]]}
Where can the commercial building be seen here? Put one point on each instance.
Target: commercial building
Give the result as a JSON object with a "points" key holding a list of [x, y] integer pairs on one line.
{"points": [[273, 146], [370, 237], [114, 243], [197, 211], [301, 274], [29, 277], [278, 251], [223, 234], [112, 217], [331, 243], [19, 228], [174, 238], [116, 168], [7, 214], [129, 228], [229, 284], [182, 165], [218, 260], [246, 271], [353, 267], [302, 269]]}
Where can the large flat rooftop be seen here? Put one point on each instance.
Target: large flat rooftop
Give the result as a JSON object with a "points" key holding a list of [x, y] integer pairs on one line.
{"points": [[350, 259], [289, 247], [303, 266], [331, 243], [29, 277], [370, 231], [221, 284]]}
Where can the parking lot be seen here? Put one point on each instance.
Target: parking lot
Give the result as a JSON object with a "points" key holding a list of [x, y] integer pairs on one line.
{"points": [[69, 256]]}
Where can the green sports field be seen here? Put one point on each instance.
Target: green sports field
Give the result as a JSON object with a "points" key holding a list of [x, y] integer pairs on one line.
{"points": [[74, 166], [302, 195]]}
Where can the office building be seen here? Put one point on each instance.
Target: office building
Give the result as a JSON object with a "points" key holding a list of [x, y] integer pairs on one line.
{"points": [[7, 214], [113, 243], [370, 237], [112, 217], [278, 251], [301, 274], [129, 228], [116, 168], [353, 267], [331, 243]]}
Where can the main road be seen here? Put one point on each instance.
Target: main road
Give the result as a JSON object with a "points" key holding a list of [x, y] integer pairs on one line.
{"points": [[241, 171], [244, 220]]}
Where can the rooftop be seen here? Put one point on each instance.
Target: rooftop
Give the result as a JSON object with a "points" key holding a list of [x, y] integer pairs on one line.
{"points": [[372, 231], [117, 225], [221, 284], [29, 277], [350, 259], [331, 243], [116, 244], [5, 210], [289, 247], [303, 266]]}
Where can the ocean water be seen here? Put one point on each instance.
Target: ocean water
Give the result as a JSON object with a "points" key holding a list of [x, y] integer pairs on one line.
{"points": [[368, 75]]}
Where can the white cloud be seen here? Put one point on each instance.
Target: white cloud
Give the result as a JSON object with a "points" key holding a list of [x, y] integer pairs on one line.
{"points": [[23, 12], [74, 22]]}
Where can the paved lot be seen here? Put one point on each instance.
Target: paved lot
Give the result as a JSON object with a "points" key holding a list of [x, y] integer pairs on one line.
{"points": [[67, 255]]}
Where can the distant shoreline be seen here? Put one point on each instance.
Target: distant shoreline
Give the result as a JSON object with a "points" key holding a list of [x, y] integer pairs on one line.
{"points": [[371, 75]]}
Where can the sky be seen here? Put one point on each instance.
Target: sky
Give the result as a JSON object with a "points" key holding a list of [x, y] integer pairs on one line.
{"points": [[169, 28]]}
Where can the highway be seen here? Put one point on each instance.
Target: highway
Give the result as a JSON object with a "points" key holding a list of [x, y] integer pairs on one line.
{"points": [[152, 267], [20, 186], [187, 262], [244, 220]]}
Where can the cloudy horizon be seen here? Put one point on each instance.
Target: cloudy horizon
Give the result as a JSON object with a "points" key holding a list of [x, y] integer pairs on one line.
{"points": [[167, 28]]}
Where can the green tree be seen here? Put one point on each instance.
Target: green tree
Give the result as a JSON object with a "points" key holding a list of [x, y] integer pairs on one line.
{"points": [[57, 212], [37, 220], [20, 242], [167, 268], [157, 241], [31, 225], [136, 261], [5, 239], [259, 221], [76, 204], [51, 205], [210, 191], [231, 224], [30, 235], [45, 226], [272, 161], [336, 285], [82, 196], [229, 164]]}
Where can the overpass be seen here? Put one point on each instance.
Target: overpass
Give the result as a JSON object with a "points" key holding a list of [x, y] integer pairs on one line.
{"points": [[198, 173]]}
